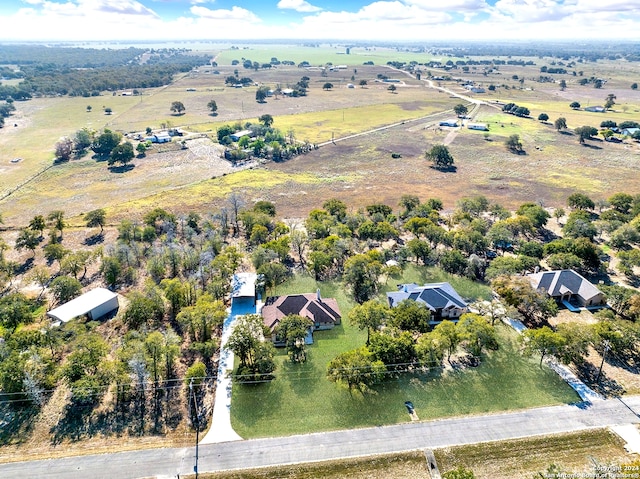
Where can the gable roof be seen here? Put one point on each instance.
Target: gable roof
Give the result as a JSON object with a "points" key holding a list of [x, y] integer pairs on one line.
{"points": [[309, 305], [561, 282], [437, 296], [83, 304]]}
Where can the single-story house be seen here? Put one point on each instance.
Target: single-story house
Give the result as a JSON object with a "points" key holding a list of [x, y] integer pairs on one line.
{"points": [[159, 138], [596, 109], [630, 131], [478, 126], [324, 312], [449, 122], [443, 301], [287, 91], [95, 304], [567, 285], [475, 89], [239, 134]]}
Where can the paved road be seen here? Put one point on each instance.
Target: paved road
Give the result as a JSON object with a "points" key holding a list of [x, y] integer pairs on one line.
{"points": [[334, 445]]}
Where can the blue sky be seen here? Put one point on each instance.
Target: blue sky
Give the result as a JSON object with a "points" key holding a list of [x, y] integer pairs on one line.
{"points": [[367, 20]]}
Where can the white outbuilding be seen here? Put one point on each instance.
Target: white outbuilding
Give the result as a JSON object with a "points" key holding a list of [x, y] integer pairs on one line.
{"points": [[95, 304]]}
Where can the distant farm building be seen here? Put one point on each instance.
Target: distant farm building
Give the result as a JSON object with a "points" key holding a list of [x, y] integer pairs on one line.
{"points": [[478, 126], [159, 138], [596, 109], [239, 134], [450, 122], [475, 89], [630, 131], [287, 91], [95, 304]]}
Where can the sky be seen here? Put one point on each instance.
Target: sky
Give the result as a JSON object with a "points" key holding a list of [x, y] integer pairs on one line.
{"points": [[364, 20]]}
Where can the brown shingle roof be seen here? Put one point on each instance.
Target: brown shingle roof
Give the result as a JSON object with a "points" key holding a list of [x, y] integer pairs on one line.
{"points": [[320, 311]]}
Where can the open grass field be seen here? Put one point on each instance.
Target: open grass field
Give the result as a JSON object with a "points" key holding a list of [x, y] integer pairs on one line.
{"points": [[517, 459], [354, 170], [302, 400]]}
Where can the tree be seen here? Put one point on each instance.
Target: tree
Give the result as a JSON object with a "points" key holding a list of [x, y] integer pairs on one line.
{"points": [[534, 306], [580, 201], [392, 88], [440, 157], [460, 109], [95, 218], [610, 101], [141, 148], [38, 223], [327, 86], [293, 330], [560, 123], [574, 105], [143, 308], [634, 86], [410, 315], [15, 309], [476, 334], [122, 154], [543, 117], [363, 83], [563, 85], [266, 120], [29, 239], [448, 336], [108, 110], [513, 144], [56, 221], [396, 349], [65, 288], [585, 133], [82, 140], [543, 341], [64, 149], [177, 107], [261, 94], [362, 274], [213, 106], [105, 142], [370, 315], [356, 369]]}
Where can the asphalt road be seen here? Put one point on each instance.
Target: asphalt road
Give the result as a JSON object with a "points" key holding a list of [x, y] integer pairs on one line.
{"points": [[163, 463]]}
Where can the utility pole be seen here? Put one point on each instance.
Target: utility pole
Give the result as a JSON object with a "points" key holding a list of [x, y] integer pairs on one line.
{"points": [[606, 345], [195, 406]]}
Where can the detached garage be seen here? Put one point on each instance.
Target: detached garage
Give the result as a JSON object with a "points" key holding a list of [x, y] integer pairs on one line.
{"points": [[95, 304]]}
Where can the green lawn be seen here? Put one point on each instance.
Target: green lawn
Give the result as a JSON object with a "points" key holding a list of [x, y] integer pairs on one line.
{"points": [[302, 400]]}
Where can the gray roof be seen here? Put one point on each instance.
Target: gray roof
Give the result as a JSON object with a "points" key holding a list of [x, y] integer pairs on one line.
{"points": [[437, 296], [82, 304], [560, 282]]}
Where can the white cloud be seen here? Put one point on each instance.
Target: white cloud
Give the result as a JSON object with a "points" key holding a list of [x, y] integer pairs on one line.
{"points": [[385, 20], [235, 14], [298, 6]]}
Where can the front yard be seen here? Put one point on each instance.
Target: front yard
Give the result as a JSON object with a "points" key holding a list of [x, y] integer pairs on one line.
{"points": [[301, 399]]}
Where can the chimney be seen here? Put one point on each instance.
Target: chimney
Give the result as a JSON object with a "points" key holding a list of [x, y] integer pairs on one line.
{"points": [[318, 295]]}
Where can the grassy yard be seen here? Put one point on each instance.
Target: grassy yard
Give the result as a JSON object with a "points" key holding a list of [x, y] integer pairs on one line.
{"points": [[302, 400]]}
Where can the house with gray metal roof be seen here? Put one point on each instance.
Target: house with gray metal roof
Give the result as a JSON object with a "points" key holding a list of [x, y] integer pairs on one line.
{"points": [[567, 286], [443, 301]]}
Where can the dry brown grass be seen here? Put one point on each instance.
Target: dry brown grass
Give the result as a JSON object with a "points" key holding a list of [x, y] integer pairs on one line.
{"points": [[524, 457]]}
